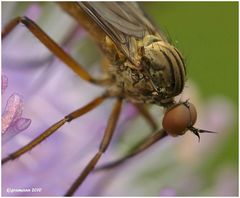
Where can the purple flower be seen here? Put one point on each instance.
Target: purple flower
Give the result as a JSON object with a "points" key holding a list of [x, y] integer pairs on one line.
{"points": [[167, 192], [4, 83], [12, 122], [51, 91]]}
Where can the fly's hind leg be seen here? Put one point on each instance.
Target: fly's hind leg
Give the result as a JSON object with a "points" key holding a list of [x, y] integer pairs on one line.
{"points": [[52, 46]]}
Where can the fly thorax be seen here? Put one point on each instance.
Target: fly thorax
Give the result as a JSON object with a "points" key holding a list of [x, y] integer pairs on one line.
{"points": [[164, 66], [112, 52], [158, 76]]}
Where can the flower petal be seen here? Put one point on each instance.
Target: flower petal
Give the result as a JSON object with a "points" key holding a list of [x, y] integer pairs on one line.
{"points": [[13, 111]]}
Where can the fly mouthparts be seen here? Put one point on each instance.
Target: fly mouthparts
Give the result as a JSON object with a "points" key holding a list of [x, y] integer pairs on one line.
{"points": [[197, 131]]}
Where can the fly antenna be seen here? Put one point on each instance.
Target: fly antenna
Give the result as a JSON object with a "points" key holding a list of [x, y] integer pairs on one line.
{"points": [[197, 131]]}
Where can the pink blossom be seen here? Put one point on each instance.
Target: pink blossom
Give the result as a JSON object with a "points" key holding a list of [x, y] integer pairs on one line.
{"points": [[12, 120]]}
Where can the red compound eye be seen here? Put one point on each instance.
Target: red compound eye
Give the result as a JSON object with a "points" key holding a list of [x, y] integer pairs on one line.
{"points": [[178, 119]]}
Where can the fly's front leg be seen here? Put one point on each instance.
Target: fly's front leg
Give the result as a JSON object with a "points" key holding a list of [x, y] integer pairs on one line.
{"points": [[52, 46], [142, 146], [112, 121], [75, 114]]}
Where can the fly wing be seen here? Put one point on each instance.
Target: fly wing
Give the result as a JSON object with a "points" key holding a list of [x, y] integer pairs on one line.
{"points": [[123, 22]]}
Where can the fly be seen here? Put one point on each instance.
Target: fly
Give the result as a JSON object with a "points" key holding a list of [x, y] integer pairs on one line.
{"points": [[142, 67]]}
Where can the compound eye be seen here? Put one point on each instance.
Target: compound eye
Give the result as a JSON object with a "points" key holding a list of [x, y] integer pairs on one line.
{"points": [[179, 118]]}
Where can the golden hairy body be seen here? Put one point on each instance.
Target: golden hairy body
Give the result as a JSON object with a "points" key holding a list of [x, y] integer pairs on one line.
{"points": [[146, 69]]}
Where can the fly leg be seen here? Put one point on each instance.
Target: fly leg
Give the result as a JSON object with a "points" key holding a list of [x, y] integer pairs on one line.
{"points": [[145, 144], [146, 115], [112, 121], [75, 114], [52, 46]]}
